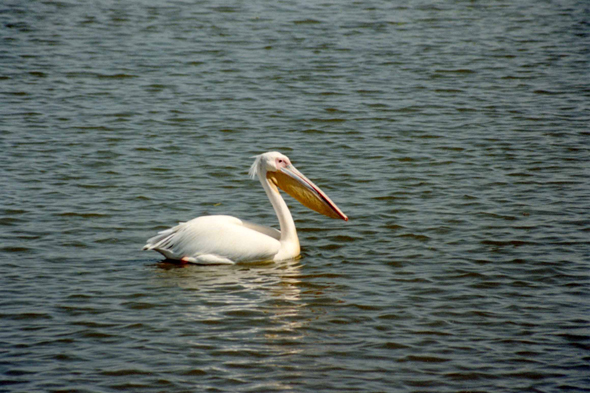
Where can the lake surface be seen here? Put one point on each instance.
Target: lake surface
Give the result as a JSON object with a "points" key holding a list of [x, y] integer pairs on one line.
{"points": [[455, 135]]}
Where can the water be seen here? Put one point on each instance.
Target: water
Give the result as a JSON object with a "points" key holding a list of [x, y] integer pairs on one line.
{"points": [[454, 135]]}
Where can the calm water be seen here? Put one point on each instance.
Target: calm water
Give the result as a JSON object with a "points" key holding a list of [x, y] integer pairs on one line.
{"points": [[455, 136]]}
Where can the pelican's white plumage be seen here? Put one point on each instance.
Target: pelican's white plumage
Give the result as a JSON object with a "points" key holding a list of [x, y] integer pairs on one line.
{"points": [[227, 240]]}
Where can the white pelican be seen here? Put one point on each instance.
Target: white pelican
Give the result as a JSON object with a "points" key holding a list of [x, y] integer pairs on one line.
{"points": [[227, 240]]}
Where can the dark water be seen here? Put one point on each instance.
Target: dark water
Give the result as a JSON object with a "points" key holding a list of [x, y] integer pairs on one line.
{"points": [[455, 135]]}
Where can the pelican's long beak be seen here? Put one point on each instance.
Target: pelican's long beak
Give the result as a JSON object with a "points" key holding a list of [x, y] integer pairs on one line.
{"points": [[294, 183]]}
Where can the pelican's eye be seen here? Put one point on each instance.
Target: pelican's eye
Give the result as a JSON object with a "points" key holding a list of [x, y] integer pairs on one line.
{"points": [[281, 163]]}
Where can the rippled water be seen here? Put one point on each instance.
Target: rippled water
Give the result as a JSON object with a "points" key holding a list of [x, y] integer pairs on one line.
{"points": [[454, 135]]}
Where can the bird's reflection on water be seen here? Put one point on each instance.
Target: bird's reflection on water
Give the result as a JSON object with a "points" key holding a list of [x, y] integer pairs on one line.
{"points": [[207, 277], [255, 308]]}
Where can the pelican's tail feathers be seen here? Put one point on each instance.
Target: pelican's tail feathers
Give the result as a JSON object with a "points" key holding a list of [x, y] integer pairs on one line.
{"points": [[161, 240]]}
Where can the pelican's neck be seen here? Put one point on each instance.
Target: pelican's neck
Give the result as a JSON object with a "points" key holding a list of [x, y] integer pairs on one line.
{"points": [[288, 232]]}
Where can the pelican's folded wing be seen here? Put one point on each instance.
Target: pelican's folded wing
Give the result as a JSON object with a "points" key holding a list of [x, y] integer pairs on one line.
{"points": [[209, 238]]}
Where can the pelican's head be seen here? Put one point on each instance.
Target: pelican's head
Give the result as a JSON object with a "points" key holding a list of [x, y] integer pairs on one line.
{"points": [[269, 162], [281, 173]]}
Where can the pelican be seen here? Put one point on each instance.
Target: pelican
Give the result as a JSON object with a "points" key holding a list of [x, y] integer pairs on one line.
{"points": [[228, 240]]}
